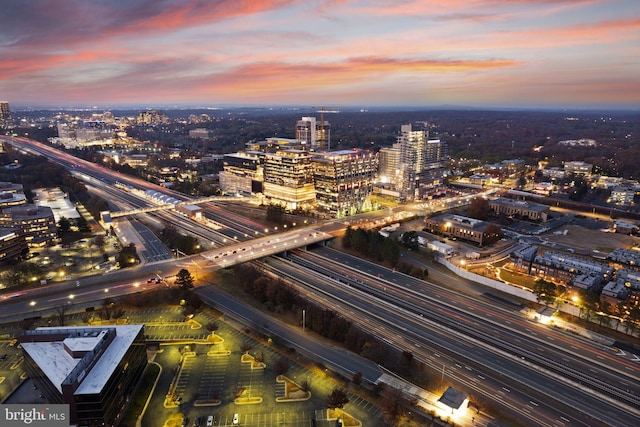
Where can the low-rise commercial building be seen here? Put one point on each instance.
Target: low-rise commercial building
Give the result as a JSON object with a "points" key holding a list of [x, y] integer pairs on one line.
{"points": [[578, 168], [462, 227], [519, 208]]}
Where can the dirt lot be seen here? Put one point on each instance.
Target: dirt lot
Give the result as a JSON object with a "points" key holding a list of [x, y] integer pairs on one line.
{"points": [[584, 238]]}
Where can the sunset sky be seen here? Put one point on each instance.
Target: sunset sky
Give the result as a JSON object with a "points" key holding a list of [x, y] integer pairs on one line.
{"points": [[479, 53]]}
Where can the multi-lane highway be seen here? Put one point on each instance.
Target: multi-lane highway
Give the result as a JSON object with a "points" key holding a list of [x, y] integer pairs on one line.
{"points": [[537, 372], [541, 376]]}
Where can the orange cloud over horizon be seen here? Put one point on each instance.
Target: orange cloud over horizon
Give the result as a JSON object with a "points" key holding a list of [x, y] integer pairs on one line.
{"points": [[287, 51]]}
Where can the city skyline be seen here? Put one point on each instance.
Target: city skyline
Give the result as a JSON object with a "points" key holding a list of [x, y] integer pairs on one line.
{"points": [[478, 53]]}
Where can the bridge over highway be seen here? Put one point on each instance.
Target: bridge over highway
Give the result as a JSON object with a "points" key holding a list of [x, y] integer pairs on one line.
{"points": [[249, 250]]}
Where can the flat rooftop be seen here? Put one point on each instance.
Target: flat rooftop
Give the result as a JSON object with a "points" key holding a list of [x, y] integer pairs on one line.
{"points": [[59, 350]]}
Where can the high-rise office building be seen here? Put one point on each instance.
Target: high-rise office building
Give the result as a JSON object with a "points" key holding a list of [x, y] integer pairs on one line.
{"points": [[288, 179], [389, 165], [432, 176], [344, 181], [5, 113], [306, 131], [242, 174], [152, 117]]}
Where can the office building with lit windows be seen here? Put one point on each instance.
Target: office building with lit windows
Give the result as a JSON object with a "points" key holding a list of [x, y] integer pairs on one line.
{"points": [[344, 181], [578, 168], [93, 369], [12, 245], [5, 113], [242, 174], [288, 179], [37, 224]]}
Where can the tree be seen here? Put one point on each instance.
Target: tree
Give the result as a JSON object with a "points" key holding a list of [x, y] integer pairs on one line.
{"points": [[61, 311], [545, 291], [337, 399], [184, 279], [357, 378], [492, 234], [588, 302], [212, 327], [64, 225], [83, 225], [275, 213], [117, 313], [127, 256], [633, 318], [522, 181], [394, 405], [410, 239], [281, 366], [478, 208]]}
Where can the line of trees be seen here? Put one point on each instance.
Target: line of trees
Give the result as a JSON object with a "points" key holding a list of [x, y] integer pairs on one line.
{"points": [[372, 244], [277, 295], [171, 237]]}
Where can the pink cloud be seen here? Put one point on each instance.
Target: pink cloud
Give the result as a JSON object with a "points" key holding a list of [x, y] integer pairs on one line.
{"points": [[59, 23]]}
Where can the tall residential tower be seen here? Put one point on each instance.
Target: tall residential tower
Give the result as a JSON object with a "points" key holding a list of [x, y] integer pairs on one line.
{"points": [[421, 165]]}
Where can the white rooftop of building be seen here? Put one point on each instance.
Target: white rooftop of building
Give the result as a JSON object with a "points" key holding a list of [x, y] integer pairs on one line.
{"points": [[56, 360], [58, 201]]}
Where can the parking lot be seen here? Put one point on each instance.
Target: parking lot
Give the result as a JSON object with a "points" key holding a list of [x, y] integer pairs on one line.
{"points": [[10, 368], [202, 379]]}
